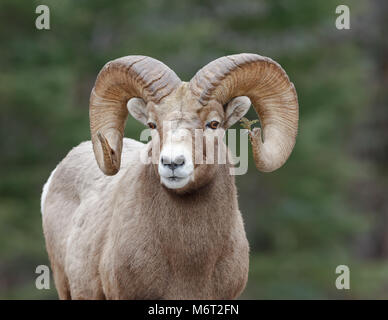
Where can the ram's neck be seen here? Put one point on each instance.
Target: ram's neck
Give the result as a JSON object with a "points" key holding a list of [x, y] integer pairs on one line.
{"points": [[189, 232], [216, 198], [209, 210], [193, 228]]}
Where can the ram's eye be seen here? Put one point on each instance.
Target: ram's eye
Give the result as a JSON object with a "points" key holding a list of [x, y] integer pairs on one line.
{"points": [[151, 125], [213, 124]]}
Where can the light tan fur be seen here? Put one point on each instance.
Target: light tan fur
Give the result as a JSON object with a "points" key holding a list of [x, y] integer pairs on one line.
{"points": [[128, 237], [117, 228]]}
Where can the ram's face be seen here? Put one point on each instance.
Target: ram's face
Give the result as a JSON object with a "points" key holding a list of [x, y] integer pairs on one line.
{"points": [[214, 99], [187, 137]]}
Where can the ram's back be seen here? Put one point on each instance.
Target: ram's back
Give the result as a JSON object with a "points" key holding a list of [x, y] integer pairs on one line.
{"points": [[78, 175], [77, 199]]}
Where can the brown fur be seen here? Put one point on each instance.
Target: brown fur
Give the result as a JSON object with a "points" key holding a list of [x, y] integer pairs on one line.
{"points": [[126, 236], [129, 237]]}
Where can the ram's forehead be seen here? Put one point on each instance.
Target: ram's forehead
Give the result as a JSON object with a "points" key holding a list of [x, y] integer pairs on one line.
{"points": [[183, 100]]}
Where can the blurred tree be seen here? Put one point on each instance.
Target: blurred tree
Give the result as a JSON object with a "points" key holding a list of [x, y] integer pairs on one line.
{"points": [[370, 139], [300, 220]]}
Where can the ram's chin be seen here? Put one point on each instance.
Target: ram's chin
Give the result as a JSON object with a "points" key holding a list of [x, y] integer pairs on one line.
{"points": [[174, 182]]}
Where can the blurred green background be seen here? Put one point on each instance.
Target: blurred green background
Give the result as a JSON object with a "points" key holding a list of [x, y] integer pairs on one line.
{"points": [[326, 207]]}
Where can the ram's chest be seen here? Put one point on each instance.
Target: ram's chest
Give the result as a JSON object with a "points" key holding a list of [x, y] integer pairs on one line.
{"points": [[162, 270], [169, 247], [173, 258]]}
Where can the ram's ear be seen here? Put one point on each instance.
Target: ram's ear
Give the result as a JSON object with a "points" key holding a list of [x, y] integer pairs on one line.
{"points": [[235, 110], [137, 109]]}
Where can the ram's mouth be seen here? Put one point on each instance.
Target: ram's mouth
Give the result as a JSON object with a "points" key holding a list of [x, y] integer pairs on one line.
{"points": [[174, 182], [174, 178]]}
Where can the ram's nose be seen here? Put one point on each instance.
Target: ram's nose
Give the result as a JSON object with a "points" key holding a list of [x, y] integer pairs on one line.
{"points": [[173, 162]]}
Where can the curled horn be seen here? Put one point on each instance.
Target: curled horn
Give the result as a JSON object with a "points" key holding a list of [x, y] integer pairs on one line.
{"points": [[272, 94], [118, 81]]}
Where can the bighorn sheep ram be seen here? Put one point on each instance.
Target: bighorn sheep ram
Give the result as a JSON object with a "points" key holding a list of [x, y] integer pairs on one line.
{"points": [[172, 229]]}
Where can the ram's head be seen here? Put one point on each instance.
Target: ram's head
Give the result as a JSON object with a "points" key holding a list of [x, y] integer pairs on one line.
{"points": [[216, 97]]}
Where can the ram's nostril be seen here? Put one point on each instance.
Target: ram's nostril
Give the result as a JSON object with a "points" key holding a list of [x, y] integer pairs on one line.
{"points": [[180, 160], [177, 162], [166, 161]]}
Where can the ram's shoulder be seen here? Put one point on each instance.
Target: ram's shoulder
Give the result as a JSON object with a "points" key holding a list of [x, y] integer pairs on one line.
{"points": [[131, 144], [85, 149], [82, 157], [80, 165]]}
